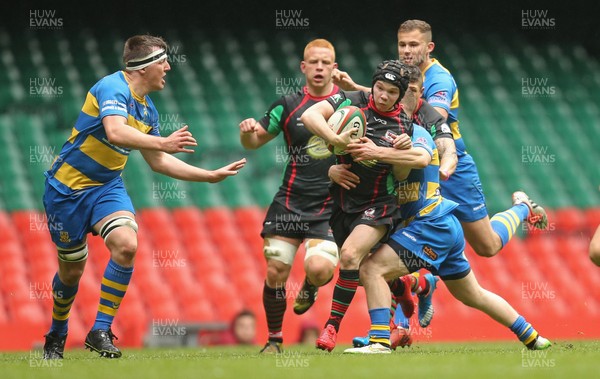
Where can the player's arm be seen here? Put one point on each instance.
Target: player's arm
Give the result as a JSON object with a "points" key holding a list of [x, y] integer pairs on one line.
{"points": [[169, 165], [252, 135], [123, 135], [415, 157], [343, 80], [448, 158], [315, 119]]}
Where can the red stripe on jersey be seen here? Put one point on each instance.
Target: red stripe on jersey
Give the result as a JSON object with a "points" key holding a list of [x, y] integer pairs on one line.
{"points": [[289, 143]]}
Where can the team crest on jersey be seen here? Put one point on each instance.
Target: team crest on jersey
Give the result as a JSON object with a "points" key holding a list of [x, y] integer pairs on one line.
{"points": [[317, 148], [369, 214], [64, 237], [422, 141], [389, 136]]}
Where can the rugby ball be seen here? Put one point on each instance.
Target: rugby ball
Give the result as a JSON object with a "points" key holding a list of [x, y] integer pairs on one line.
{"points": [[344, 119]]}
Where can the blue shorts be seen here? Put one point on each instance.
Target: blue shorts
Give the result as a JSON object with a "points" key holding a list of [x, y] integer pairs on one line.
{"points": [[464, 188], [71, 217], [435, 244]]}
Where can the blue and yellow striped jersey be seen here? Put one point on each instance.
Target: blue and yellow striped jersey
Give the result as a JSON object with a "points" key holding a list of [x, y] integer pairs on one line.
{"points": [[87, 159], [419, 194], [440, 91]]}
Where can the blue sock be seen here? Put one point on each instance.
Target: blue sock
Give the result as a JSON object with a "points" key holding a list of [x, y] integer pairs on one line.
{"points": [[63, 297], [524, 331], [114, 285], [505, 223], [380, 326]]}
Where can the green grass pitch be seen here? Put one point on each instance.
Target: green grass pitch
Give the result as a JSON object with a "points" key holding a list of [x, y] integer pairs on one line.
{"points": [[565, 359]]}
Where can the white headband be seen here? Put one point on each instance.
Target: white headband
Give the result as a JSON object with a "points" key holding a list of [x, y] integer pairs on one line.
{"points": [[140, 63]]}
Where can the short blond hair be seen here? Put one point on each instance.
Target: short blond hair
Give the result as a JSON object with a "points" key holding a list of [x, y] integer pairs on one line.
{"points": [[319, 42], [422, 26]]}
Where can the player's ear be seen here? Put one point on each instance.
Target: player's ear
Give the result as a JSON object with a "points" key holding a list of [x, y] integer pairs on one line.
{"points": [[303, 66], [335, 65], [430, 46]]}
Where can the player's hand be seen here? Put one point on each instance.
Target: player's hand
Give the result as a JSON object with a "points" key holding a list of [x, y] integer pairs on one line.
{"points": [[342, 140], [248, 126], [343, 80], [178, 141], [403, 142], [363, 149], [341, 175], [226, 171]]}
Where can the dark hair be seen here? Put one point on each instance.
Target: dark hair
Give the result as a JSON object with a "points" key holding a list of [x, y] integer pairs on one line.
{"points": [[141, 45]]}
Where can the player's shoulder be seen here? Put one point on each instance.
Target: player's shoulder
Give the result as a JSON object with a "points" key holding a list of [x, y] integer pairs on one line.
{"points": [[114, 82], [435, 67], [422, 136]]}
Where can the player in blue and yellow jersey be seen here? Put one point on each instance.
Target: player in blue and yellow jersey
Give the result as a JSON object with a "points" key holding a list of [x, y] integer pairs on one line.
{"points": [[463, 186], [364, 215], [301, 209], [84, 190], [429, 237]]}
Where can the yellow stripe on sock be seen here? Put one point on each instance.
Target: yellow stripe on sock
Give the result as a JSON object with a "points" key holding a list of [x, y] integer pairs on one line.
{"points": [[531, 338], [108, 310], [525, 331], [115, 285], [59, 308], [506, 223], [514, 217], [385, 341], [62, 301], [380, 327], [110, 297], [60, 317]]}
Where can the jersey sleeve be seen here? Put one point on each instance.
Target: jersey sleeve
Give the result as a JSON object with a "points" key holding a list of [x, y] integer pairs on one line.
{"points": [[433, 122], [112, 97], [273, 119], [343, 99], [440, 93], [421, 138]]}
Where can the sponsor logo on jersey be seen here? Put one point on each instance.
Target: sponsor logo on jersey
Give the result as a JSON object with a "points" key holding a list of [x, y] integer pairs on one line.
{"points": [[317, 148], [421, 140], [336, 98], [427, 250], [381, 121], [445, 128], [409, 236], [369, 214]]}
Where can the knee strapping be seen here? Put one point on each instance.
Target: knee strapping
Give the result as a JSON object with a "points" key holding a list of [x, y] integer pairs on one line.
{"points": [[117, 222]]}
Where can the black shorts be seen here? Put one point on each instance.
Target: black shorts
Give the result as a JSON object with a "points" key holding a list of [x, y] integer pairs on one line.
{"points": [[283, 222], [343, 223]]}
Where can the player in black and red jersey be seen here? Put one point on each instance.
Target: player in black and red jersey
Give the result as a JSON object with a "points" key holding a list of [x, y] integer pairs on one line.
{"points": [[301, 209], [364, 215]]}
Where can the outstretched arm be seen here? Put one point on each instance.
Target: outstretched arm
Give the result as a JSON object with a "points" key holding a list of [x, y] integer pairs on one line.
{"points": [[252, 135], [169, 165], [123, 135], [343, 80]]}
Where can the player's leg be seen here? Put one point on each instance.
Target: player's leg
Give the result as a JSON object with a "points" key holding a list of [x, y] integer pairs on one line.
{"points": [[114, 220], [68, 228], [279, 252], [595, 247], [119, 231], [375, 273], [358, 244], [320, 261], [470, 293]]}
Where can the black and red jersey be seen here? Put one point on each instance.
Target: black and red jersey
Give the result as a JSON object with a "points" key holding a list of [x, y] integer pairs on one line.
{"points": [[304, 189]]}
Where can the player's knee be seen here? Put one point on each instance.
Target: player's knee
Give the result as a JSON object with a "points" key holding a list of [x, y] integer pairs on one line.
{"points": [[320, 260], [318, 270], [277, 273], [70, 274], [350, 257], [123, 253]]}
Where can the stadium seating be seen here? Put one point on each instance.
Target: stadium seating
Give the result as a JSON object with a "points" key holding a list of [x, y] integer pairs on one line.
{"points": [[200, 253]]}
